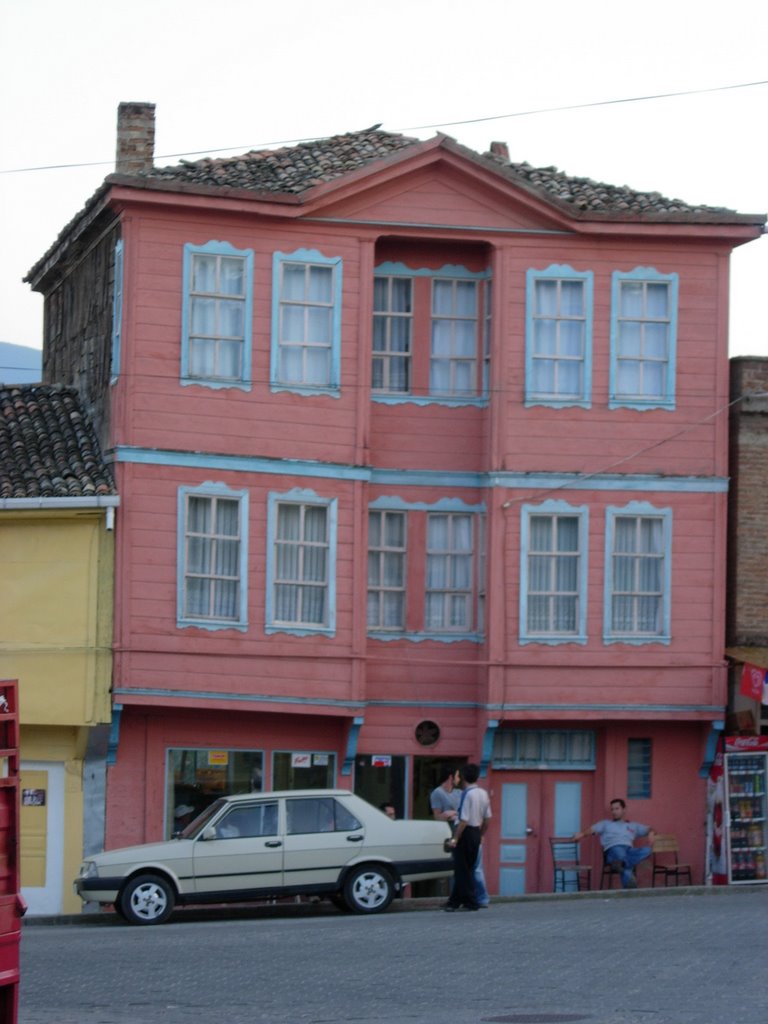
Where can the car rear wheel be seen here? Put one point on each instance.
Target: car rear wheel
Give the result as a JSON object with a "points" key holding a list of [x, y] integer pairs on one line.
{"points": [[369, 890], [147, 899]]}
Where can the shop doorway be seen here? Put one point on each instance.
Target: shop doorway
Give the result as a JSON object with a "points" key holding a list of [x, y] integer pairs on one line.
{"points": [[426, 775], [380, 778], [534, 807]]}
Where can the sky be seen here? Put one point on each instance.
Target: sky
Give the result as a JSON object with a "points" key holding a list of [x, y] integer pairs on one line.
{"points": [[248, 74]]}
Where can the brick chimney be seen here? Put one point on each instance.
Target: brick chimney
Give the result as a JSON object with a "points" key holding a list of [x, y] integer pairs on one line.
{"points": [[500, 149], [135, 138]]}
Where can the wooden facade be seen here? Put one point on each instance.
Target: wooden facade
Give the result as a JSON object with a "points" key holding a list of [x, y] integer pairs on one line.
{"points": [[461, 675]]}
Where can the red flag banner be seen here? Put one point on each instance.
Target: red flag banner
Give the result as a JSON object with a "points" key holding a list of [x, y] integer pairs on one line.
{"points": [[752, 679]]}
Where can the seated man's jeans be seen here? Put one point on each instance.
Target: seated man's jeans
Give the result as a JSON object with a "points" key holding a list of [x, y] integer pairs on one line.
{"points": [[480, 887], [631, 855]]}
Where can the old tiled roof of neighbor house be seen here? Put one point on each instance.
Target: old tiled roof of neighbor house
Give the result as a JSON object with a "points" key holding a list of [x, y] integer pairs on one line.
{"points": [[48, 448]]}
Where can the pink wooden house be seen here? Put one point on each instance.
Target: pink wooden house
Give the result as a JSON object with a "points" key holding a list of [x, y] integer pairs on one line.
{"points": [[422, 457]]}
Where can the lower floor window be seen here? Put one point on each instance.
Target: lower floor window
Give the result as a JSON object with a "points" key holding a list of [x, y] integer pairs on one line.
{"points": [[195, 778], [293, 769]]}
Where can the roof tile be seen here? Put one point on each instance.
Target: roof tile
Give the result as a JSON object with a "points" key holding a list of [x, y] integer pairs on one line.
{"points": [[48, 448]]}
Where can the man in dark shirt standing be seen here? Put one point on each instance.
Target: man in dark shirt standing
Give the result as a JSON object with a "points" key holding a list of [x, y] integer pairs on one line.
{"points": [[474, 815]]}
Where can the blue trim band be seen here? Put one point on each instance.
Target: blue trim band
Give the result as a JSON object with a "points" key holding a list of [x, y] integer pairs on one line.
{"points": [[419, 478]]}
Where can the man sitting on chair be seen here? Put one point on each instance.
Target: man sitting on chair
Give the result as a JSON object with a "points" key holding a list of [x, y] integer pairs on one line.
{"points": [[617, 837]]}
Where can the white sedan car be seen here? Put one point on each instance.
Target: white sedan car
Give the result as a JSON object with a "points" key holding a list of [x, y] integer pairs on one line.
{"points": [[264, 845]]}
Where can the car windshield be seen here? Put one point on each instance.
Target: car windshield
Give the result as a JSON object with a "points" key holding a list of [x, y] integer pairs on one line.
{"points": [[198, 824]]}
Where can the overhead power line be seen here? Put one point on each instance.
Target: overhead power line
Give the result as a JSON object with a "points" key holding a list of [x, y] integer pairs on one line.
{"points": [[411, 128]]}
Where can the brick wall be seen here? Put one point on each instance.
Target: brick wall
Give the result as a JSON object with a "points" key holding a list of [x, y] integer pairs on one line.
{"points": [[747, 613]]}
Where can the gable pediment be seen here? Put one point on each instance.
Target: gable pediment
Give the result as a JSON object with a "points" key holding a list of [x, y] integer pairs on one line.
{"points": [[441, 193]]}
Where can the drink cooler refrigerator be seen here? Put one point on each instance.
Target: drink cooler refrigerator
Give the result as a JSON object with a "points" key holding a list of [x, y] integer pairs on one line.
{"points": [[745, 816]]}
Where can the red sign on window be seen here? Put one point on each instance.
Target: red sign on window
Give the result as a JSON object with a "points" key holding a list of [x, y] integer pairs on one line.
{"points": [[752, 679]]}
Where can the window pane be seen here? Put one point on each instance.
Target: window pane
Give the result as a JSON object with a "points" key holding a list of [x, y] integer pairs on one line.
{"points": [[442, 298], [203, 273], [319, 320], [631, 299], [657, 300], [203, 316], [545, 298], [320, 284], [232, 276], [293, 282], [571, 298], [401, 295]]}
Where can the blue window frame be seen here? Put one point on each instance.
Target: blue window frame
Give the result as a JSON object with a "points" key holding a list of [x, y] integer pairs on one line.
{"points": [[639, 765], [558, 351], [544, 749], [387, 569], [431, 345], [301, 563], [306, 322], [643, 339], [117, 311], [553, 573], [638, 577], [216, 316], [446, 570], [212, 557]]}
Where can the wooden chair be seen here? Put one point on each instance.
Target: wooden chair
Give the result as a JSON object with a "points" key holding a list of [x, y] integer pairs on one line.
{"points": [[570, 875], [665, 861]]}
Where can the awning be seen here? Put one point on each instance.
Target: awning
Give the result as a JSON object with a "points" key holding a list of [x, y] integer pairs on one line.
{"points": [[749, 655]]}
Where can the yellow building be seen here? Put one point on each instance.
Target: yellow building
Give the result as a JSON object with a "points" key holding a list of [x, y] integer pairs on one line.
{"points": [[57, 511]]}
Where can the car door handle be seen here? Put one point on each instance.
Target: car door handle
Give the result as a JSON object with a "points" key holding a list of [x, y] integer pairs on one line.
{"points": [[354, 839], [273, 842]]}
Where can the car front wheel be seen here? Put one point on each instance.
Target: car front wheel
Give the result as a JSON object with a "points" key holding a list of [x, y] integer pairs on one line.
{"points": [[147, 899], [368, 890]]}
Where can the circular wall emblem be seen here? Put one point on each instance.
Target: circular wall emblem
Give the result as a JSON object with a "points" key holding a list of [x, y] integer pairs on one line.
{"points": [[427, 733]]}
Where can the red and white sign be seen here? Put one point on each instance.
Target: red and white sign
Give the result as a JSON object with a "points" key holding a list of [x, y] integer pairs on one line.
{"points": [[733, 744], [752, 682], [381, 760], [301, 760]]}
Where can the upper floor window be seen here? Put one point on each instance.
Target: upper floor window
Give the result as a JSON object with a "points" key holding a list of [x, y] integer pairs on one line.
{"points": [[436, 589], [553, 577], [431, 334], [559, 337], [306, 322], [643, 339], [392, 333], [301, 563], [386, 570], [638, 577], [216, 316], [212, 557], [450, 577], [453, 357]]}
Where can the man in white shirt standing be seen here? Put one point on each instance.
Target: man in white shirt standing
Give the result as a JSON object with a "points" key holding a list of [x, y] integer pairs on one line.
{"points": [[474, 817]]}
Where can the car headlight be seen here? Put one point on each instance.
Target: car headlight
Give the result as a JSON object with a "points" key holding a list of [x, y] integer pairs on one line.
{"points": [[88, 869]]}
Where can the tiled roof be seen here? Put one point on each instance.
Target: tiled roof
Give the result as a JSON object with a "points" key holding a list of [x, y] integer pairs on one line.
{"points": [[285, 174], [596, 197], [295, 169], [48, 448], [290, 170]]}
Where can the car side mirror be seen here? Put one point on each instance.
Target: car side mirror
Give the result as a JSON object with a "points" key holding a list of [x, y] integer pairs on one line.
{"points": [[209, 833]]}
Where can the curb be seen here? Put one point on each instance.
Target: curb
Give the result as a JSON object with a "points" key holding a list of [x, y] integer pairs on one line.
{"points": [[99, 918]]}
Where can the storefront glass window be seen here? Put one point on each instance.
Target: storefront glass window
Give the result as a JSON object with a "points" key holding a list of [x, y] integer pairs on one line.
{"points": [[293, 769], [195, 778]]}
